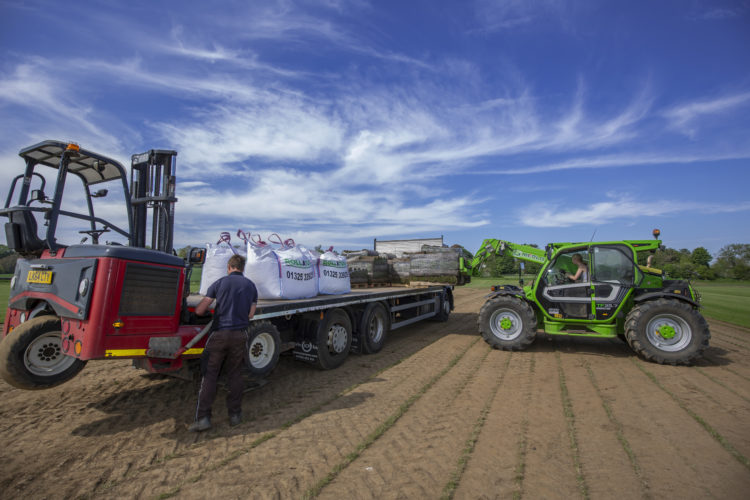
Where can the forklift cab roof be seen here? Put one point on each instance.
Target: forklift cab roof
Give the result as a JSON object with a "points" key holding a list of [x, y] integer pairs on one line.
{"points": [[91, 167]]}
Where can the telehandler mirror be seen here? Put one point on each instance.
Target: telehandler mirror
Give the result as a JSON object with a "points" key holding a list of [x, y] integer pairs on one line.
{"points": [[197, 255]]}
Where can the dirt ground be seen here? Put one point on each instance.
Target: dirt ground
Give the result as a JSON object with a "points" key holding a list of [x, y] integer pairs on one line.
{"points": [[437, 413]]}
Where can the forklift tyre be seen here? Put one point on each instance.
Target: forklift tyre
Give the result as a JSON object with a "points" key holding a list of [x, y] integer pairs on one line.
{"points": [[31, 355], [334, 339], [374, 327], [667, 331], [263, 348], [507, 323]]}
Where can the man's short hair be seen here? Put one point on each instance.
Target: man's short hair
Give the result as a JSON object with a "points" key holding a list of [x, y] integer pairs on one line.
{"points": [[236, 262]]}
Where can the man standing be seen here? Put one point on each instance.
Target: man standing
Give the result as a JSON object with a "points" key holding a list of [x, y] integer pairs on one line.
{"points": [[236, 298]]}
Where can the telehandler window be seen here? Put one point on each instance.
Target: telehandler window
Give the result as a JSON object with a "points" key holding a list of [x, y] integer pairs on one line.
{"points": [[612, 264]]}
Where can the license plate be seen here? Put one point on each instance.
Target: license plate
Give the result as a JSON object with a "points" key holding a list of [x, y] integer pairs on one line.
{"points": [[43, 277]]}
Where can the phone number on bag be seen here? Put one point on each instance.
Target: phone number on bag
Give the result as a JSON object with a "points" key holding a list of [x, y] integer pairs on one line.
{"points": [[291, 275], [335, 274]]}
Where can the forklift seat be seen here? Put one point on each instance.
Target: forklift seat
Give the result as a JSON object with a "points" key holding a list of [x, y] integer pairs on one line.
{"points": [[21, 232]]}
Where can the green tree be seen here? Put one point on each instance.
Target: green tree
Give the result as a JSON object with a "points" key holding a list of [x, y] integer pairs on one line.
{"points": [[733, 261], [701, 257], [5, 251], [8, 263]]}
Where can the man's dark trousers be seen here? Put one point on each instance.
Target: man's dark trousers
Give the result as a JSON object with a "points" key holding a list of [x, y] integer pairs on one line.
{"points": [[227, 347]]}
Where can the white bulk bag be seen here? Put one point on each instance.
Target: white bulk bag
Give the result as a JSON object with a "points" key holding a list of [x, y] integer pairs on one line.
{"points": [[262, 268], [215, 266], [312, 256], [286, 272], [333, 273]]}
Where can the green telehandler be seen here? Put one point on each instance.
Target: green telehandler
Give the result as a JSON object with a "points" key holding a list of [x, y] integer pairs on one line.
{"points": [[613, 297]]}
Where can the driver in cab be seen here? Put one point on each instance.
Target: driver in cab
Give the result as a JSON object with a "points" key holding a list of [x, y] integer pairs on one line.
{"points": [[582, 274]]}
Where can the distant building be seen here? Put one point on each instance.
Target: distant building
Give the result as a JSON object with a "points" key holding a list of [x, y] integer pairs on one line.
{"points": [[399, 247]]}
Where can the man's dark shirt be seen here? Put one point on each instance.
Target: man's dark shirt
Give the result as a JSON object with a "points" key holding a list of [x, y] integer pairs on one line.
{"points": [[234, 296]]}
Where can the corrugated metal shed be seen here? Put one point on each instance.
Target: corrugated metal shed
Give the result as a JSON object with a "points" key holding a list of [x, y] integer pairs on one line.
{"points": [[399, 247]]}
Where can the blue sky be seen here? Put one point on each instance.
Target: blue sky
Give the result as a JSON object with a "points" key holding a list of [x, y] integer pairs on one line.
{"points": [[335, 122]]}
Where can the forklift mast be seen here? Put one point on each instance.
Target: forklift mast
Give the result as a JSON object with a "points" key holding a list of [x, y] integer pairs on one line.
{"points": [[152, 186]]}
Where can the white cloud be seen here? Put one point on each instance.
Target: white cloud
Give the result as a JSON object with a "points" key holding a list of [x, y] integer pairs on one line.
{"points": [[685, 116], [619, 160], [552, 215]]}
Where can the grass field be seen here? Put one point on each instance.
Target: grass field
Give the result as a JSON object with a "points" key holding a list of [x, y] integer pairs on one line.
{"points": [[725, 301]]}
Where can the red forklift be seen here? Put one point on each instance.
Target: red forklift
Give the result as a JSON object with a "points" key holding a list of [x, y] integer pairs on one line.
{"points": [[69, 304]]}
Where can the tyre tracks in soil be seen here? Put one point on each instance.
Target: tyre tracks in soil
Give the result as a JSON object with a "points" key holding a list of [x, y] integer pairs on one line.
{"points": [[278, 431], [299, 456], [436, 413], [418, 455], [677, 429], [119, 425]]}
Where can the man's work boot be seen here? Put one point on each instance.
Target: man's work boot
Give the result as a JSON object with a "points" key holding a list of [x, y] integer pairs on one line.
{"points": [[200, 425], [235, 419]]}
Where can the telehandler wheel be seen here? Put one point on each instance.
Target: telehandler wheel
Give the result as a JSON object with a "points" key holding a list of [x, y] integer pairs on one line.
{"points": [[374, 327], [667, 331], [263, 348], [507, 323], [334, 339], [31, 355]]}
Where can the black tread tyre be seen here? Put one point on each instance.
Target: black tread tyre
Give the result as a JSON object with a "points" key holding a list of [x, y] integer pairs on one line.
{"points": [[263, 347], [31, 355], [334, 339], [444, 307], [373, 327], [507, 323], [667, 331]]}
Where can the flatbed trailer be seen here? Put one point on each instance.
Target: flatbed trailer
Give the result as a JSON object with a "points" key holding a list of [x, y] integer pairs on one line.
{"points": [[323, 330]]}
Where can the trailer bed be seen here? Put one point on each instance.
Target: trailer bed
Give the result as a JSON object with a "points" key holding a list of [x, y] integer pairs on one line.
{"points": [[270, 308]]}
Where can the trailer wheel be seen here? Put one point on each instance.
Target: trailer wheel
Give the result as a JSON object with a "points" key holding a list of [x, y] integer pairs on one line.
{"points": [[334, 339], [667, 331], [507, 323], [444, 307], [263, 347], [374, 327], [31, 355]]}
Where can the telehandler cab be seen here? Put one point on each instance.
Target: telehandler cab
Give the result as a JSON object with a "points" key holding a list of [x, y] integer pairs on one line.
{"points": [[659, 318]]}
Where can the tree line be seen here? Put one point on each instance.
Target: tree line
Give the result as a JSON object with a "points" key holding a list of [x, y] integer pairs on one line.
{"points": [[732, 262]]}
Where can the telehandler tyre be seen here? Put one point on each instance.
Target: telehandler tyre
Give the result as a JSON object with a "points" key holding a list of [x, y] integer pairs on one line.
{"points": [[667, 331], [31, 355], [507, 323]]}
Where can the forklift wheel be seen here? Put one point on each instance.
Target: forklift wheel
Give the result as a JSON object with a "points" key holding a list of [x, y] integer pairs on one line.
{"points": [[31, 355]]}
